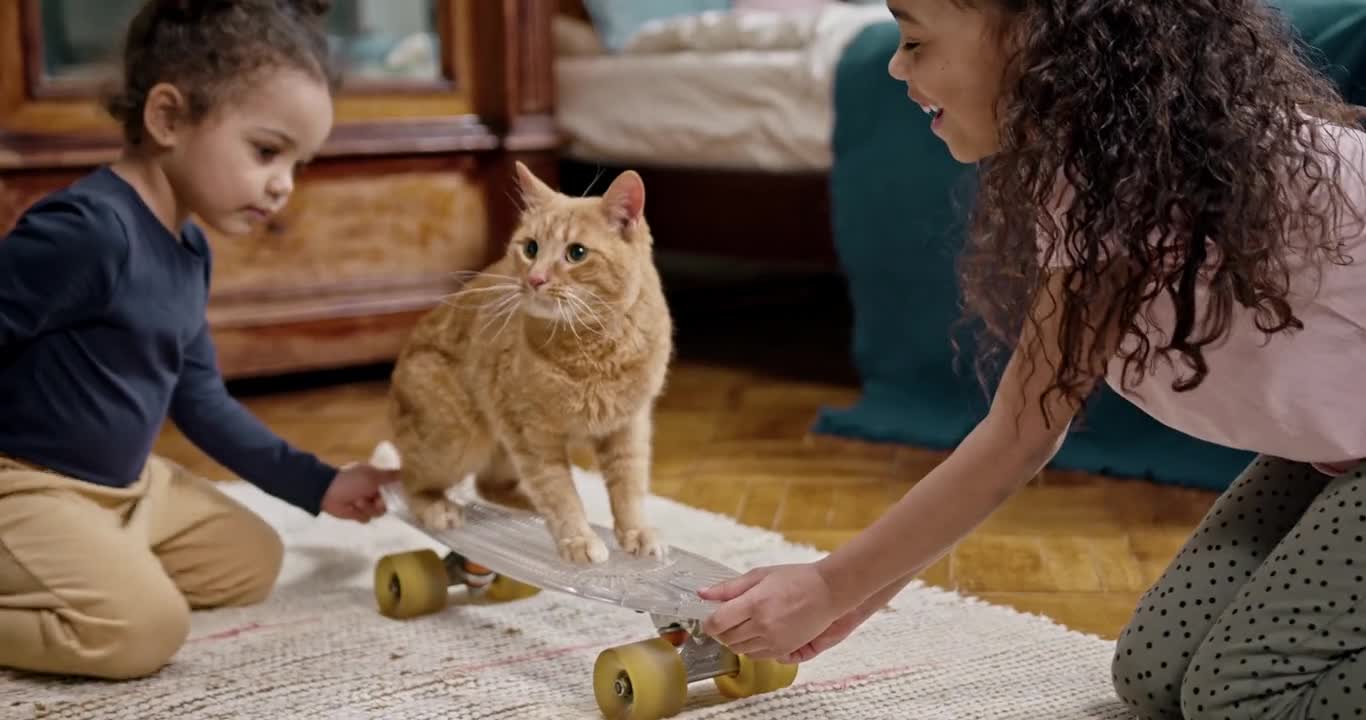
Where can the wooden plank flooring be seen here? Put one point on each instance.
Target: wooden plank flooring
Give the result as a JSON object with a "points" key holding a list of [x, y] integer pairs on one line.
{"points": [[732, 437]]}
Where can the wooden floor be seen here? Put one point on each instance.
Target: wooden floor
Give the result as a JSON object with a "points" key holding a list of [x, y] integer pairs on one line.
{"points": [[757, 360]]}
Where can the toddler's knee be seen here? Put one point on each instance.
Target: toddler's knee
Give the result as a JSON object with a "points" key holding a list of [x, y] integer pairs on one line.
{"points": [[140, 635], [268, 555], [238, 565], [250, 570]]}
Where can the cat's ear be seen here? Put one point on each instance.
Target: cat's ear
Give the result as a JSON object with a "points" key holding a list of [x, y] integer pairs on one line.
{"points": [[534, 192], [624, 200]]}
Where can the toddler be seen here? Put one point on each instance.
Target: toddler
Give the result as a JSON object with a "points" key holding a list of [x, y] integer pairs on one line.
{"points": [[104, 549]]}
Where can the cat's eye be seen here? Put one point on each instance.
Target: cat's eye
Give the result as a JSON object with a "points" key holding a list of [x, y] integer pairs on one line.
{"points": [[576, 253], [530, 249]]}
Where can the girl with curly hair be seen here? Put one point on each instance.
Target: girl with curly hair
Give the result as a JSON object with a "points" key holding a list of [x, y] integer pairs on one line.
{"points": [[1171, 201], [104, 547]]}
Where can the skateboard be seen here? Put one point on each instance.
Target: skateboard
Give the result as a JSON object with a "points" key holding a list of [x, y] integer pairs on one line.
{"points": [[501, 554]]}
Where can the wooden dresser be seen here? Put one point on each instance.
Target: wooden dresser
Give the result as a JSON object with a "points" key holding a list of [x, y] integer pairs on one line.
{"points": [[414, 184]]}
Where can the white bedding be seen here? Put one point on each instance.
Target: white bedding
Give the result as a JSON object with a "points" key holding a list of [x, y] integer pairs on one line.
{"points": [[718, 90]]}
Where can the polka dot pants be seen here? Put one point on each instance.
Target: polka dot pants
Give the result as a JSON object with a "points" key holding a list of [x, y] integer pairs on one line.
{"points": [[1263, 613]]}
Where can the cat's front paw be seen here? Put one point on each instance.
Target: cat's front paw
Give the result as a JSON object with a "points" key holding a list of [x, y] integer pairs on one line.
{"points": [[440, 514], [583, 549], [641, 542]]}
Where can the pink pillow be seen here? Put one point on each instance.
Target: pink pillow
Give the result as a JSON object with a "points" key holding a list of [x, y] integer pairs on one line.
{"points": [[780, 5]]}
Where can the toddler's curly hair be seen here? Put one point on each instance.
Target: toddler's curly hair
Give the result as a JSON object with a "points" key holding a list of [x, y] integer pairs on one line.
{"points": [[210, 49]]}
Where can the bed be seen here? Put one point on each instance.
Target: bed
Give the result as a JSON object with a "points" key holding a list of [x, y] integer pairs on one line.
{"points": [[710, 108]]}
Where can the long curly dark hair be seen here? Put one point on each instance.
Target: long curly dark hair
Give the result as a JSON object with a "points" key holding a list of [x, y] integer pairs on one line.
{"points": [[210, 48], [1176, 125]]}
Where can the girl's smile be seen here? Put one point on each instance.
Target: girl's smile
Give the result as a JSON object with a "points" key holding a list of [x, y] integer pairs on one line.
{"points": [[935, 112], [952, 61]]}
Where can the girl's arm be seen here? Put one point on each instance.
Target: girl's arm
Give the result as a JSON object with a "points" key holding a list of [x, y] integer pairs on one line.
{"points": [[1008, 448], [776, 611]]}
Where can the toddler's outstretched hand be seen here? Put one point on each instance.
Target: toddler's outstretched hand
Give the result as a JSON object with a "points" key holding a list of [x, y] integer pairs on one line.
{"points": [[354, 493], [772, 612]]}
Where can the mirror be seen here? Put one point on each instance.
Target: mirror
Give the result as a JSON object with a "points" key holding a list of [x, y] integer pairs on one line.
{"points": [[376, 41]]}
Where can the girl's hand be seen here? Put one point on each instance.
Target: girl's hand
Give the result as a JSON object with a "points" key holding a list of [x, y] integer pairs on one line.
{"points": [[833, 635], [354, 492], [772, 612]]}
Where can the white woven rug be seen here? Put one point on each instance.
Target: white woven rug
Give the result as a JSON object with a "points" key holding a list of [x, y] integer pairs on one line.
{"points": [[319, 649]]}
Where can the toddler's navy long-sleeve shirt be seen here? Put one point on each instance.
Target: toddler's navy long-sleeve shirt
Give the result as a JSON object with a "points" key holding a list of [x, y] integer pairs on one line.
{"points": [[103, 335]]}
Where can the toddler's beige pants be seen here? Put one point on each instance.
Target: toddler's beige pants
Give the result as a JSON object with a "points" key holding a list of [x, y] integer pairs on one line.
{"points": [[99, 581]]}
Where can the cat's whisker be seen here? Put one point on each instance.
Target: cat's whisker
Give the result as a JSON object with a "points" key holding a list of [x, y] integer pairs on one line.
{"points": [[588, 309], [591, 294], [519, 201], [596, 177], [488, 323], [574, 318], [583, 306], [575, 303], [506, 305], [596, 298], [456, 303], [484, 306], [502, 314], [471, 274], [507, 318], [468, 287], [575, 330], [583, 347], [475, 291], [554, 326], [600, 330], [502, 302], [482, 288]]}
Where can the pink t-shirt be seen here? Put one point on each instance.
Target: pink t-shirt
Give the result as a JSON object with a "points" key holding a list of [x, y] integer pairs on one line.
{"points": [[1298, 395]]}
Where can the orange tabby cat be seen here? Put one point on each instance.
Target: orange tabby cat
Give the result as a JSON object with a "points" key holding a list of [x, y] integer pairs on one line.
{"points": [[567, 338]]}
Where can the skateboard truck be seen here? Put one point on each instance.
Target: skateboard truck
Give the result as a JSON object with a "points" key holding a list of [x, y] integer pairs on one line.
{"points": [[703, 657], [418, 583]]}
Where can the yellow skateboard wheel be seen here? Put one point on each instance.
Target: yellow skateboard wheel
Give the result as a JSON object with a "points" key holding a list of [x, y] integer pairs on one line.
{"points": [[505, 589], [755, 677], [641, 681], [410, 584]]}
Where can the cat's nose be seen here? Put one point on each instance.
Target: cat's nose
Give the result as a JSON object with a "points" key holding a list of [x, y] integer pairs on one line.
{"points": [[536, 281]]}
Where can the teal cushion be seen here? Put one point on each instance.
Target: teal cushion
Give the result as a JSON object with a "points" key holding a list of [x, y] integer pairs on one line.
{"points": [[1336, 30], [617, 20]]}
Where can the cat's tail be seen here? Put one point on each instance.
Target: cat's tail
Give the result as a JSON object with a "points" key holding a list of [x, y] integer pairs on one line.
{"points": [[385, 456]]}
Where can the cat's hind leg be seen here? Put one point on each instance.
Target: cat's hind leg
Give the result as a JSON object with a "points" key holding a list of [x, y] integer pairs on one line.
{"points": [[439, 438], [429, 475], [497, 482]]}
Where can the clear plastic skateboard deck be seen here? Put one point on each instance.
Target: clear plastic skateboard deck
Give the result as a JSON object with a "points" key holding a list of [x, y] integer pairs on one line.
{"points": [[517, 544]]}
